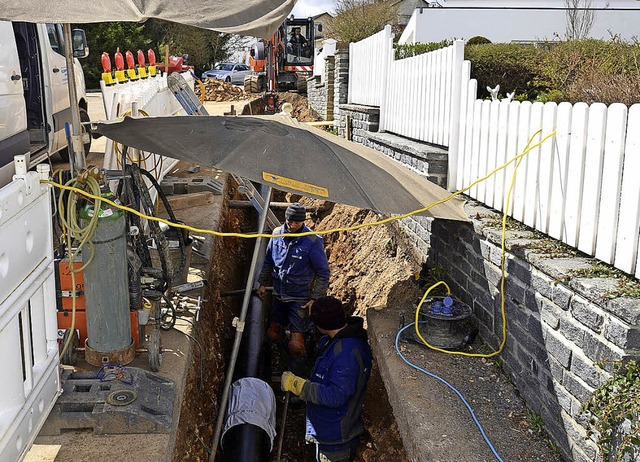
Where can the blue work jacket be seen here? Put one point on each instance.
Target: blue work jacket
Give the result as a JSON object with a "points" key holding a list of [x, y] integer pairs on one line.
{"points": [[335, 391], [298, 266]]}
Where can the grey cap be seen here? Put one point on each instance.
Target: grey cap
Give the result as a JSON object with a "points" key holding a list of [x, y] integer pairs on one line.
{"points": [[296, 212]]}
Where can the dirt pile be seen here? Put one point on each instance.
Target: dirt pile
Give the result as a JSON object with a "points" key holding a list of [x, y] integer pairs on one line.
{"points": [[368, 266], [217, 90], [301, 109]]}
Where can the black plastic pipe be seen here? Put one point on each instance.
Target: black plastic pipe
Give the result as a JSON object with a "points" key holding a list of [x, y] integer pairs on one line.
{"points": [[246, 442]]}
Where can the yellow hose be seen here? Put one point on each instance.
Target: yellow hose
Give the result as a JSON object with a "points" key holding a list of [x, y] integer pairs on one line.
{"points": [[82, 234]]}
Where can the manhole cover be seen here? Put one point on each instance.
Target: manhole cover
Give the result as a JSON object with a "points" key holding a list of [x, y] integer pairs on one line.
{"points": [[121, 397]]}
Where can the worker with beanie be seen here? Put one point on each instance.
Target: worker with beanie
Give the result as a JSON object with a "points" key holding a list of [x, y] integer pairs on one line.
{"points": [[336, 389], [299, 270]]}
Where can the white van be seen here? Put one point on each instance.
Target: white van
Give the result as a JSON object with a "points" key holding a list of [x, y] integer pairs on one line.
{"points": [[34, 95]]}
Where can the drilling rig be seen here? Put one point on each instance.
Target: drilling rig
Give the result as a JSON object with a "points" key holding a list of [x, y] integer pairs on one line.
{"points": [[283, 62]]}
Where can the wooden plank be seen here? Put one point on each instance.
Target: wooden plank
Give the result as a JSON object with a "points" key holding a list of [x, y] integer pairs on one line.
{"points": [[185, 201], [449, 89], [575, 172], [611, 182], [594, 156], [424, 97], [521, 173], [532, 161], [510, 152], [627, 240], [559, 176], [492, 143], [545, 170], [465, 74], [469, 133], [439, 96], [475, 147]]}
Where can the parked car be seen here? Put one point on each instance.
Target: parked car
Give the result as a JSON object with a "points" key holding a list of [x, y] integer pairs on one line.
{"points": [[229, 72]]}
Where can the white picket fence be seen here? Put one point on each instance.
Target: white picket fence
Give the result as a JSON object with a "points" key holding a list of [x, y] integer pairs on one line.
{"points": [[369, 62], [416, 95], [419, 100], [580, 187]]}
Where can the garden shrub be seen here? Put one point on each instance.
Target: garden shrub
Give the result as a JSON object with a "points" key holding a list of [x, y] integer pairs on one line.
{"points": [[512, 66], [584, 70], [478, 40], [408, 50]]}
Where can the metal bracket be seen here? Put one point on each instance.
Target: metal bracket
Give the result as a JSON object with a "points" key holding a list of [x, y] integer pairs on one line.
{"points": [[239, 325]]}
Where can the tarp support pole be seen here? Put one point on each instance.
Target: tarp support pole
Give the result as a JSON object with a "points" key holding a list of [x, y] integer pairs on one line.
{"points": [[240, 327], [76, 129]]}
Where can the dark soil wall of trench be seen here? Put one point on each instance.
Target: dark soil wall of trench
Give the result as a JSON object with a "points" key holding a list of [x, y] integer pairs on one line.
{"points": [[200, 405]]}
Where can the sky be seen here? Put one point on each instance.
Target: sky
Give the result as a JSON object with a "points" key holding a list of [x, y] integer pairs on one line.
{"points": [[306, 8]]}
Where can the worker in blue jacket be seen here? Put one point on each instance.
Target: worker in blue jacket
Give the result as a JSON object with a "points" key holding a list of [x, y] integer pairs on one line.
{"points": [[336, 389], [299, 270]]}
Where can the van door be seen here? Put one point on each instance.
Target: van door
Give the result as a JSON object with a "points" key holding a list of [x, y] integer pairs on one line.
{"points": [[14, 138], [57, 92]]}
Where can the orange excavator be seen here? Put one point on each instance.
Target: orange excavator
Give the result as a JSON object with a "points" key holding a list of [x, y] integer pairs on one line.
{"points": [[284, 62]]}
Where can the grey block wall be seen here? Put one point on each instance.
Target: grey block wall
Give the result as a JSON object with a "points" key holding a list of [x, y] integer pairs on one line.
{"points": [[320, 91], [558, 327]]}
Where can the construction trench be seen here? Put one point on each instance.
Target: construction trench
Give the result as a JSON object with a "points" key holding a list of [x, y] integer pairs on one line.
{"points": [[227, 275], [375, 274]]}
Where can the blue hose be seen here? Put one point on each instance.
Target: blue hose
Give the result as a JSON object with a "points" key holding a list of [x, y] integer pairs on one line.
{"points": [[473, 416]]}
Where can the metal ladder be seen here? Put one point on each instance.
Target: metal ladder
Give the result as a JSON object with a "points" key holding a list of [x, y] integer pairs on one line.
{"points": [[185, 95]]}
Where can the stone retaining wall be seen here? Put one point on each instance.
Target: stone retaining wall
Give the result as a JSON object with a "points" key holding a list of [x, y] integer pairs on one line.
{"points": [[558, 326], [320, 90]]}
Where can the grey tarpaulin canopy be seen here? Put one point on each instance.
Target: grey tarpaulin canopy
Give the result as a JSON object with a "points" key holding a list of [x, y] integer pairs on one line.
{"points": [[288, 155], [259, 18]]}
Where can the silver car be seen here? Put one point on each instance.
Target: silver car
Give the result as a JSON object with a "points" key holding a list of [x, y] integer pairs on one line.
{"points": [[229, 72]]}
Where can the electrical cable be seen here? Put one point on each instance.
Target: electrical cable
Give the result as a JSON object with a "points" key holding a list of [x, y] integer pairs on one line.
{"points": [[464, 401], [502, 280]]}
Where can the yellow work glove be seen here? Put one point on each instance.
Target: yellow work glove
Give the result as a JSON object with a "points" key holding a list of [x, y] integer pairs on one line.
{"points": [[291, 382]]}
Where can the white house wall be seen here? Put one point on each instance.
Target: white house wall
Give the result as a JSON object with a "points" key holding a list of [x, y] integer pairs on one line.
{"points": [[509, 25]]}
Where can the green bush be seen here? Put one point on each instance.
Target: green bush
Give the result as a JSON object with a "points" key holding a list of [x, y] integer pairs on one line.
{"points": [[583, 70], [611, 413], [512, 66], [478, 40], [414, 49]]}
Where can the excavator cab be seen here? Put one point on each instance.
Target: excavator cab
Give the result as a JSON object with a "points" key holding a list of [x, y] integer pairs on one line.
{"points": [[298, 40]]}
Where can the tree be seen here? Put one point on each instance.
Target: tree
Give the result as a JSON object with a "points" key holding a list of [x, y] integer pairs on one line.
{"points": [[580, 18], [358, 19], [203, 46]]}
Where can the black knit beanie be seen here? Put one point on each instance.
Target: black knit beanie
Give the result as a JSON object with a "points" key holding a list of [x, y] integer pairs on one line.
{"points": [[327, 313], [296, 212]]}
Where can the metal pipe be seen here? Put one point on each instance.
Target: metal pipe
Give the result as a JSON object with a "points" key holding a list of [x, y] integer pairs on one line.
{"points": [[240, 204], [76, 135], [240, 328]]}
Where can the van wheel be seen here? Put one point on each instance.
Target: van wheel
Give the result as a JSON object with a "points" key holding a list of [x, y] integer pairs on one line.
{"points": [[86, 136]]}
